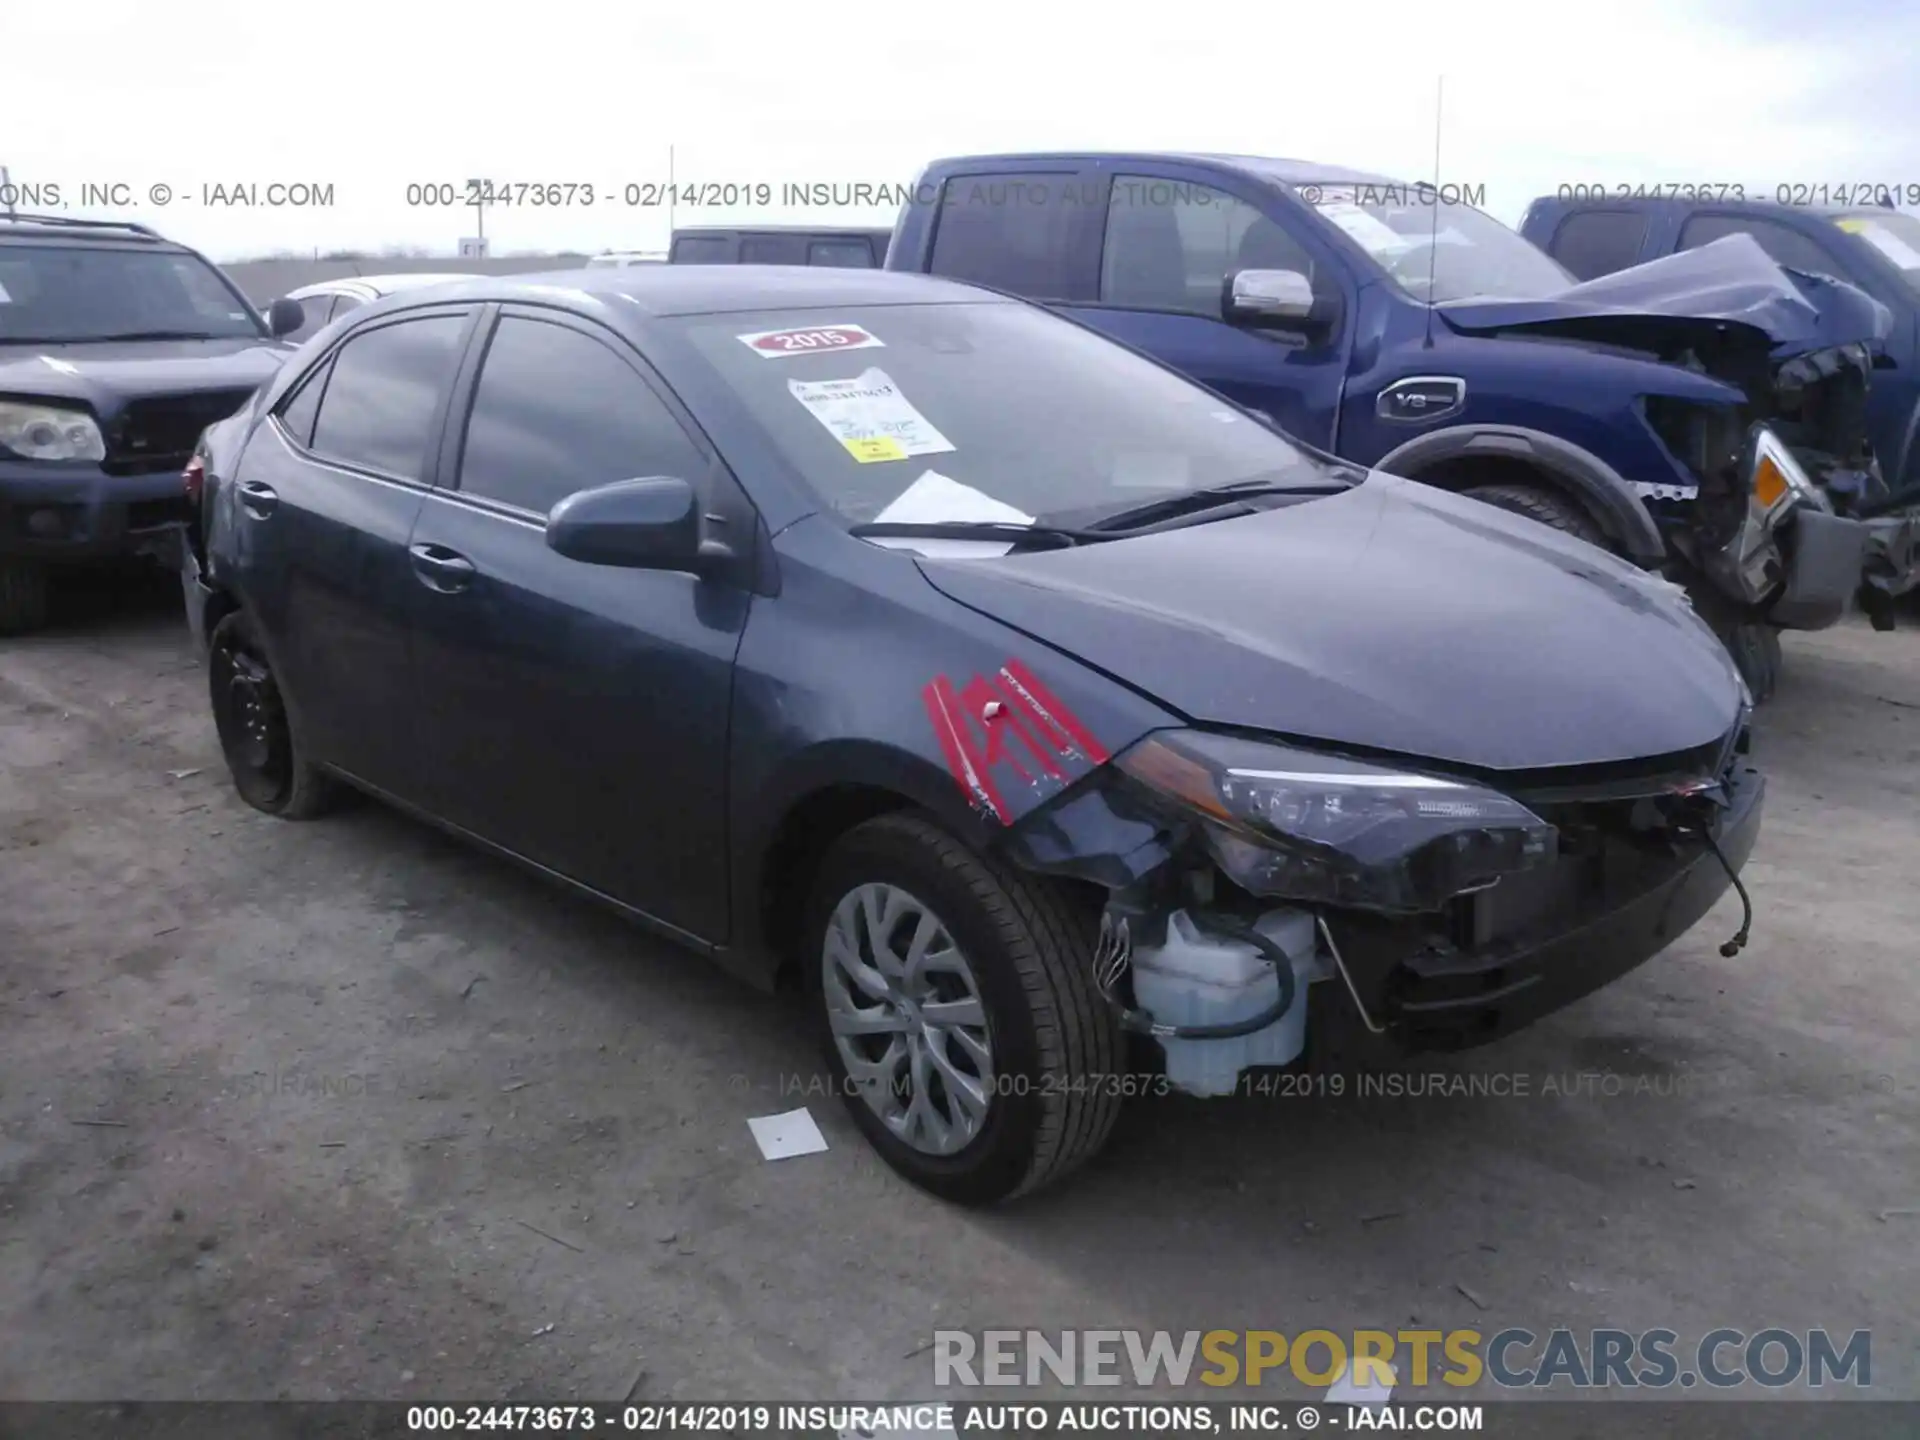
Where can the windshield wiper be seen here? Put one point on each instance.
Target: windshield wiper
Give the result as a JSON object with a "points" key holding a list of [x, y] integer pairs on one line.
{"points": [[1211, 497], [1011, 532]]}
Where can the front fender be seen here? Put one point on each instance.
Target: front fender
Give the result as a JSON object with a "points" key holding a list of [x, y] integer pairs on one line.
{"points": [[881, 685], [1584, 476]]}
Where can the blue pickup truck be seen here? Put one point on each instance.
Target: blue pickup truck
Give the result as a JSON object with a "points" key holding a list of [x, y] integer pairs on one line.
{"points": [[1703, 415], [1874, 248]]}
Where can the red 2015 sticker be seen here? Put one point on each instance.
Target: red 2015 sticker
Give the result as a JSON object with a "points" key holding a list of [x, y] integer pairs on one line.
{"points": [[814, 340]]}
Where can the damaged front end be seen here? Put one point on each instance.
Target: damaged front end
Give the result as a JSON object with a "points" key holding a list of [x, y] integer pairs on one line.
{"points": [[1789, 516], [1261, 896], [1792, 518]]}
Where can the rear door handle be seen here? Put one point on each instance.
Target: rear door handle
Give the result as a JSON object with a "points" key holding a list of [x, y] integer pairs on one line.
{"points": [[258, 499], [440, 568]]}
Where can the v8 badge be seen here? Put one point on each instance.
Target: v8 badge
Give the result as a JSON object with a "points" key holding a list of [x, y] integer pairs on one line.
{"points": [[1421, 399]]}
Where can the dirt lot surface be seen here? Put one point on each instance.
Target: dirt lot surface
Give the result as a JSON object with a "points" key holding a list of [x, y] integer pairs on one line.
{"points": [[342, 1109]]}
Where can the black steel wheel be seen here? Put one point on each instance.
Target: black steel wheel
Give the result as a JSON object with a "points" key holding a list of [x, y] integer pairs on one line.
{"points": [[256, 735]]}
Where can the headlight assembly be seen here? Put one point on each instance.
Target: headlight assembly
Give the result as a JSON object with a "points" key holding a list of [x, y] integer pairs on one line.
{"points": [[1313, 828], [46, 432]]}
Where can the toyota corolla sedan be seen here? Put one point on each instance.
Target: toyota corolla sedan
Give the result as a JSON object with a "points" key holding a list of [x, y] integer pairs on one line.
{"points": [[1068, 732]]}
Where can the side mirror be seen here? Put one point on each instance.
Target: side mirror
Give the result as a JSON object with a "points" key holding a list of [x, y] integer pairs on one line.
{"points": [[1274, 300], [285, 316], [649, 524]]}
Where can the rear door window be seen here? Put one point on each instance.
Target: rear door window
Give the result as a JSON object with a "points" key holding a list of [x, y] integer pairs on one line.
{"points": [[1591, 243], [384, 397], [1013, 232]]}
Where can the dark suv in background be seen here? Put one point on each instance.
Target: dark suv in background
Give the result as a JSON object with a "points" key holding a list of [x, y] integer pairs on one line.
{"points": [[852, 249], [117, 348]]}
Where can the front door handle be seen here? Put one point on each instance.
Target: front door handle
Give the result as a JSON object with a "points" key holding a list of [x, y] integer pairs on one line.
{"points": [[258, 499], [440, 568]]}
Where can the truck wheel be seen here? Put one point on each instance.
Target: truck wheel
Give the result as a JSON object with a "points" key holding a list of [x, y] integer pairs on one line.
{"points": [[23, 596], [1544, 506], [956, 1005], [1756, 652], [263, 755]]}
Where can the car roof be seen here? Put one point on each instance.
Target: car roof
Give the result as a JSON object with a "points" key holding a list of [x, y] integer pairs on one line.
{"points": [[94, 234], [1288, 172], [718, 289], [382, 284]]}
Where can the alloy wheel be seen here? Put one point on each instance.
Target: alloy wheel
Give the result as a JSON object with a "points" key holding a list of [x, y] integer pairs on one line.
{"points": [[907, 1019]]}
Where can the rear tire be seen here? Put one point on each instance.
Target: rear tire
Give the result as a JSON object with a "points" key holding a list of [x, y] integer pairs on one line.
{"points": [[1045, 1072], [268, 765], [1542, 505], [23, 596]]}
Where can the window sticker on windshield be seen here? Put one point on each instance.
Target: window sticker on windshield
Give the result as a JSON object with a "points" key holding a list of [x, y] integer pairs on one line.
{"points": [[772, 344], [870, 416]]}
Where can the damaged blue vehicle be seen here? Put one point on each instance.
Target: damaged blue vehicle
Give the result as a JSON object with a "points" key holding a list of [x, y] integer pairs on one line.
{"points": [[1028, 704], [1703, 415]]}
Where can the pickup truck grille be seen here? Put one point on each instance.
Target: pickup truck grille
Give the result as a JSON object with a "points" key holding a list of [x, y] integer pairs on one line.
{"points": [[160, 433]]}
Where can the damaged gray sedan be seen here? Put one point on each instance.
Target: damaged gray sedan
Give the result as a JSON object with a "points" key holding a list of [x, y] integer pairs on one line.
{"points": [[1010, 691]]}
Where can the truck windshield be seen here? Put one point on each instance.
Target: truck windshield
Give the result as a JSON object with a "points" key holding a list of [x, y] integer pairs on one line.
{"points": [[71, 294], [988, 411], [1894, 234], [1438, 251]]}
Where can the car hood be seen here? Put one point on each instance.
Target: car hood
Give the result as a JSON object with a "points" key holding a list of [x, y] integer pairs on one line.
{"points": [[1393, 617], [107, 375], [1693, 297]]}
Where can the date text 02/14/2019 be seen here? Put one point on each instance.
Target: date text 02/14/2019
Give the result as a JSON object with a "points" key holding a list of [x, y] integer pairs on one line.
{"points": [[1813, 195]]}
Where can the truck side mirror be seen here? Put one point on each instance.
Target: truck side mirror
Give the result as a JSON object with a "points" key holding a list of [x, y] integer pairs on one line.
{"points": [[1275, 300]]}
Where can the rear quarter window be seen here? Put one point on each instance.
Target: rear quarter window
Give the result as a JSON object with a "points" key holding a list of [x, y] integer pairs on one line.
{"points": [[1591, 243]]}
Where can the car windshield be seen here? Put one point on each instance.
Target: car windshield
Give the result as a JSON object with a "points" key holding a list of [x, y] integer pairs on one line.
{"points": [[994, 411], [67, 293], [1894, 234], [1436, 250]]}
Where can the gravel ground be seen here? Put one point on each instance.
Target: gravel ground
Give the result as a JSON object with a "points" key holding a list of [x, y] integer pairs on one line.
{"points": [[345, 1110]]}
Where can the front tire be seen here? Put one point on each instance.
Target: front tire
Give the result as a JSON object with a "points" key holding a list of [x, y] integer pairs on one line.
{"points": [[269, 768], [956, 1007], [1542, 505], [23, 596]]}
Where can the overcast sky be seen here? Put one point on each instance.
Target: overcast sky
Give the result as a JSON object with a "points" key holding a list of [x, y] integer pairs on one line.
{"points": [[369, 99]]}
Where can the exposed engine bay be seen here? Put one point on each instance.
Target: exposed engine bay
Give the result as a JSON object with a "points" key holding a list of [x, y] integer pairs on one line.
{"points": [[1262, 901]]}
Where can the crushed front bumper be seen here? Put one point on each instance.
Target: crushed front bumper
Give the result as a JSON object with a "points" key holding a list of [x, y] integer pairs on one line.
{"points": [[1425, 997]]}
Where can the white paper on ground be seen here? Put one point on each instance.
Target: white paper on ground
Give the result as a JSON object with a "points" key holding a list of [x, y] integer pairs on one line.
{"points": [[934, 498], [782, 1136], [870, 416], [1345, 1392]]}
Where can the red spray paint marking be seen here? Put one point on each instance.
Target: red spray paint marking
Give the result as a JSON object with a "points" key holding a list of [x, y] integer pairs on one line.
{"points": [[972, 727]]}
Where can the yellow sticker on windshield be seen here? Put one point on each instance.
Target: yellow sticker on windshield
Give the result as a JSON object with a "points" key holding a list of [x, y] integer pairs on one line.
{"points": [[1852, 227], [878, 448]]}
